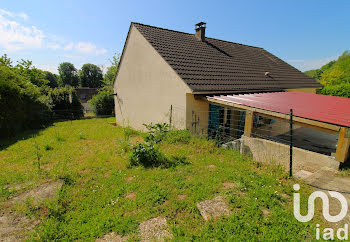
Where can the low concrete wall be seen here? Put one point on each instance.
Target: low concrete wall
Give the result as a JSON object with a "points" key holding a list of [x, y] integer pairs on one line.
{"points": [[268, 151]]}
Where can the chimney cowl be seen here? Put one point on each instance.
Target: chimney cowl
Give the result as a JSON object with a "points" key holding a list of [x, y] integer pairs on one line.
{"points": [[200, 31]]}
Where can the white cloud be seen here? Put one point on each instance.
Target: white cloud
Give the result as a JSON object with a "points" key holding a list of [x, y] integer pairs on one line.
{"points": [[13, 15], [69, 46], [51, 68], [15, 36], [305, 65], [89, 48], [53, 46]]}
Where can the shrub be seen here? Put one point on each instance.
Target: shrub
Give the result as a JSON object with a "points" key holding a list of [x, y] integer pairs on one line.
{"points": [[103, 103], [342, 90], [156, 132], [65, 103], [178, 137], [22, 105], [148, 156]]}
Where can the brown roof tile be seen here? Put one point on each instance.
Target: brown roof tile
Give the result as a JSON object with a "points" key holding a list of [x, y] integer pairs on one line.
{"points": [[217, 65]]}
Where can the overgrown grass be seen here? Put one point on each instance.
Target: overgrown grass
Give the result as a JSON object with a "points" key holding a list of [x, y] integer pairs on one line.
{"points": [[97, 178]]}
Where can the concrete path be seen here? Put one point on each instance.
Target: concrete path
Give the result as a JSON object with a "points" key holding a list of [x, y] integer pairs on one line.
{"points": [[326, 179]]}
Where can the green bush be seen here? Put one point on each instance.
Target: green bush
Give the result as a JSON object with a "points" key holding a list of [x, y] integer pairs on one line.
{"points": [[103, 103], [178, 137], [22, 106], [342, 90], [147, 155], [65, 103], [156, 132]]}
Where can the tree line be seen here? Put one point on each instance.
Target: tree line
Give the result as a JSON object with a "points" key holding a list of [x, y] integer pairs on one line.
{"points": [[334, 76], [89, 75]]}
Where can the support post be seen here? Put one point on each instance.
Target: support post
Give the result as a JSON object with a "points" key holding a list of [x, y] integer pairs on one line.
{"points": [[171, 115], [291, 143], [248, 125], [343, 145]]}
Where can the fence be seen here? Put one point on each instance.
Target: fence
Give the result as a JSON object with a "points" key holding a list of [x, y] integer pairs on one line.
{"points": [[281, 141]]}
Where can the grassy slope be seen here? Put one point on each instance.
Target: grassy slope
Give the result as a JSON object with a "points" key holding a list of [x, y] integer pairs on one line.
{"points": [[88, 156]]}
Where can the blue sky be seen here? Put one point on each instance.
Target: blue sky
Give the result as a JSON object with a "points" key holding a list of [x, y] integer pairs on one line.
{"points": [[306, 34]]}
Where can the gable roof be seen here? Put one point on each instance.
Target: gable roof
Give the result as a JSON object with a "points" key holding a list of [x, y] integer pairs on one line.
{"points": [[219, 66]]}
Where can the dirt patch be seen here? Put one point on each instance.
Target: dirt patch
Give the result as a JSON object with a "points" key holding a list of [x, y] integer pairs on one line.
{"points": [[40, 193], [181, 197], [112, 237], [154, 229], [136, 140], [19, 186], [131, 196], [212, 166], [266, 212], [129, 179], [188, 178], [228, 185], [285, 196], [212, 209], [14, 227]]}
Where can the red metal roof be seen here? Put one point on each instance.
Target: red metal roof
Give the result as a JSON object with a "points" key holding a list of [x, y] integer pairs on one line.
{"points": [[329, 109]]}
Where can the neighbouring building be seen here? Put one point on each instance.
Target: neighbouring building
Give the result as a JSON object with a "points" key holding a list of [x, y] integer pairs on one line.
{"points": [[84, 95]]}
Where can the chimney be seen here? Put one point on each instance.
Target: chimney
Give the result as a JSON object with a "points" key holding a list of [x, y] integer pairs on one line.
{"points": [[200, 31]]}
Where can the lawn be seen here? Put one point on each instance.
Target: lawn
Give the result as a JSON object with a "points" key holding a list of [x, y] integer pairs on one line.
{"points": [[101, 193]]}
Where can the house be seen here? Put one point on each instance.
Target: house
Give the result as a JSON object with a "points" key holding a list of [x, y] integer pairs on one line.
{"points": [[165, 73], [230, 92], [84, 95]]}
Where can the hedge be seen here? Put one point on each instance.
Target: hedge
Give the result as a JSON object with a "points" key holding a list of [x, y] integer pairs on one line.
{"points": [[65, 103], [21, 104], [103, 103], [342, 90]]}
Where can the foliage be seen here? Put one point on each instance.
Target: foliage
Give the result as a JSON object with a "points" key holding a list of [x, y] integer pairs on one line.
{"points": [[342, 90], [335, 76], [103, 103], [338, 72], [26, 69], [65, 103], [148, 156], [68, 75], [22, 105], [148, 153], [90, 76], [112, 71], [156, 132], [52, 78]]}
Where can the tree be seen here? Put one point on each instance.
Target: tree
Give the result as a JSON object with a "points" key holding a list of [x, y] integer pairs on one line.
{"points": [[112, 71], [68, 75], [52, 78], [91, 76], [337, 72]]}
